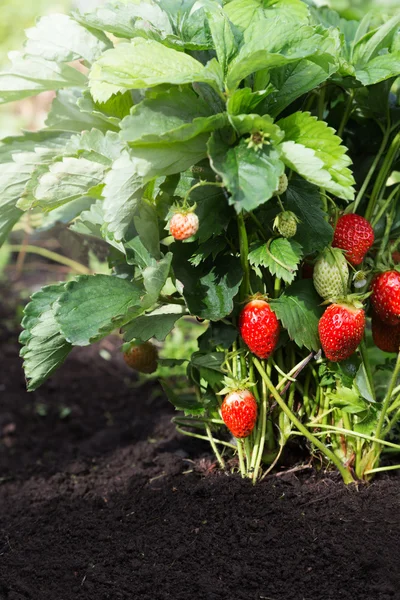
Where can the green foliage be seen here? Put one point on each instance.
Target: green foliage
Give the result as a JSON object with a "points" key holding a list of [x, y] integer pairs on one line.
{"points": [[211, 107]]}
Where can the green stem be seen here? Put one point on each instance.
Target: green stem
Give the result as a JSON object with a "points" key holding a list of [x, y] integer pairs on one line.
{"points": [[263, 428], [347, 477], [380, 469], [346, 114], [200, 184], [241, 458], [244, 258], [385, 206], [372, 169], [382, 176], [367, 368], [204, 437], [218, 456], [386, 235], [386, 402], [363, 436], [54, 256]]}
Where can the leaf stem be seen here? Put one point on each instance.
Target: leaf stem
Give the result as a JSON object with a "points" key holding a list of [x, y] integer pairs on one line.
{"points": [[347, 477], [244, 257], [367, 367], [218, 456], [346, 114], [387, 400], [382, 176], [372, 169], [54, 256]]}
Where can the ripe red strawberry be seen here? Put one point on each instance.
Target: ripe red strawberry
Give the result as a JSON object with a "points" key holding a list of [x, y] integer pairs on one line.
{"points": [[183, 225], [385, 298], [142, 358], [355, 235], [239, 412], [341, 329], [259, 328], [386, 337]]}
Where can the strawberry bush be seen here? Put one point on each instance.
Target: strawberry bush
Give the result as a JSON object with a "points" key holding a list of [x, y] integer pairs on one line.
{"points": [[239, 161]]}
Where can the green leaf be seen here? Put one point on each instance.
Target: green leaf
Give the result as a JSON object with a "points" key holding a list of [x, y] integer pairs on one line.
{"points": [[269, 44], [155, 277], [31, 75], [299, 311], [282, 258], [245, 12], [146, 225], [59, 38], [172, 116], [250, 176], [225, 41], [45, 349], [64, 181], [295, 79], [13, 178], [126, 19], [245, 101], [371, 44], [92, 306], [379, 69], [18, 156], [210, 288], [255, 123], [157, 324], [65, 114], [348, 400], [143, 64], [188, 403], [217, 334], [122, 194], [313, 232], [312, 149], [210, 360]]}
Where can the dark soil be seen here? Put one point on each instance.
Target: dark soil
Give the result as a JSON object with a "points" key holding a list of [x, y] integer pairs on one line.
{"points": [[100, 499]]}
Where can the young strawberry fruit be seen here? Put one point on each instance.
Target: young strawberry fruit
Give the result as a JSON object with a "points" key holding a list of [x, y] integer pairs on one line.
{"points": [[259, 328], [286, 224], [282, 185], [239, 413], [386, 337], [183, 225], [142, 358], [331, 274], [341, 329], [355, 235], [385, 298]]}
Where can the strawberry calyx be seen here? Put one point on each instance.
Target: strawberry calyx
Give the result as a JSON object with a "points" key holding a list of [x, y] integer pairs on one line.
{"points": [[233, 384]]}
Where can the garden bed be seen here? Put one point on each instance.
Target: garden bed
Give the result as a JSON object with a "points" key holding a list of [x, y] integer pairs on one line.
{"points": [[107, 502]]}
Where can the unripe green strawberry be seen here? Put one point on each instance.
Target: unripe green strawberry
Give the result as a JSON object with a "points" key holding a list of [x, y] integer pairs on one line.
{"points": [[282, 185], [331, 274], [239, 412], [286, 224], [142, 358]]}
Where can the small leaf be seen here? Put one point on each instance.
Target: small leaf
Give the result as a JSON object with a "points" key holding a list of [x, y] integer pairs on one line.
{"points": [[154, 325], [250, 176], [94, 305], [188, 403], [313, 232], [143, 64], [210, 360], [208, 289], [312, 149], [45, 349], [282, 258], [299, 311]]}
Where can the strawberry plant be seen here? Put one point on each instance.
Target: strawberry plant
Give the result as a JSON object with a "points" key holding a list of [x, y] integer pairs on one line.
{"points": [[239, 161]]}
